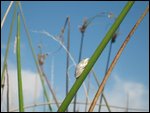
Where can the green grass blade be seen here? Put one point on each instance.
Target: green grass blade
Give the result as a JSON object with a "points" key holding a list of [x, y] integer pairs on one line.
{"points": [[8, 45], [20, 90], [34, 57], [94, 57], [100, 89], [7, 88]]}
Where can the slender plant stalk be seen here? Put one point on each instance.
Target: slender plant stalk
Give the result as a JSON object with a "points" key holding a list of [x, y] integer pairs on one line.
{"points": [[50, 87], [44, 107], [20, 90], [88, 89], [7, 11], [7, 88], [40, 59], [107, 105], [115, 60], [105, 100], [52, 71], [79, 59], [107, 65], [94, 58], [2, 90], [34, 56], [8, 45], [67, 62], [127, 110], [64, 47], [35, 93]]}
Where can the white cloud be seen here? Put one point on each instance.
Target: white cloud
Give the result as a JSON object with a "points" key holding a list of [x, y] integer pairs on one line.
{"points": [[116, 96], [29, 80], [138, 95]]}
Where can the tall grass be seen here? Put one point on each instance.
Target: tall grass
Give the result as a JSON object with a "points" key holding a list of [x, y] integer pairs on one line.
{"points": [[8, 46], [67, 60], [34, 57], [102, 96], [83, 28], [49, 86], [88, 89], [20, 90], [7, 75], [79, 81], [115, 60], [109, 53], [94, 58]]}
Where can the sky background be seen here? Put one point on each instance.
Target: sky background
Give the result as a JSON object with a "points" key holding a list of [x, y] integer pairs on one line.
{"points": [[130, 75]]}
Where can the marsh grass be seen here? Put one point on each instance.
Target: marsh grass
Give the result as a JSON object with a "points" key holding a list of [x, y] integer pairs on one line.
{"points": [[7, 75], [8, 45], [94, 58], [115, 60], [60, 39], [103, 96], [34, 56], [20, 89], [67, 59]]}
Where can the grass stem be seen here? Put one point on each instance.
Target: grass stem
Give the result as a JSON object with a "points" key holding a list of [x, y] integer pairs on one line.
{"points": [[94, 58], [115, 60], [20, 90]]}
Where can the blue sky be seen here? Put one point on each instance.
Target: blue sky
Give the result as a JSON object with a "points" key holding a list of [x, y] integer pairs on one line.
{"points": [[133, 64]]}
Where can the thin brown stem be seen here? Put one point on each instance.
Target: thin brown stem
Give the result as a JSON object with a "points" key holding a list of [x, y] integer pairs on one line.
{"points": [[115, 60]]}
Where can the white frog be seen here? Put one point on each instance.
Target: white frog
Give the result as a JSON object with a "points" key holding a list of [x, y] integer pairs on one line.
{"points": [[80, 67]]}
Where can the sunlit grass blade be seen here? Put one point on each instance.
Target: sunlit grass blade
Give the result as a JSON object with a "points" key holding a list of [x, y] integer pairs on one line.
{"points": [[115, 60], [94, 57], [20, 90], [7, 11]]}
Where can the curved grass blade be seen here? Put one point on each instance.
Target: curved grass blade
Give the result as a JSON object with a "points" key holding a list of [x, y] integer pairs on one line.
{"points": [[7, 11]]}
